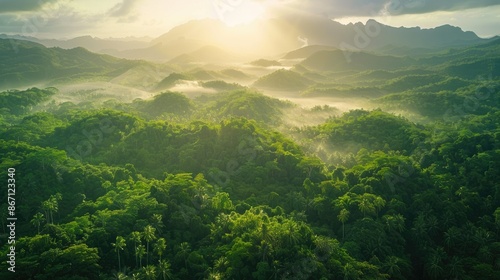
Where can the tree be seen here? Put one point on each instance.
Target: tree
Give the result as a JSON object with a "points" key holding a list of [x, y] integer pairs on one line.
{"points": [[434, 264], [160, 247], [157, 222], [184, 251], [75, 262], [350, 272], [379, 203], [51, 206], [396, 267], [37, 220], [391, 266], [293, 235], [119, 245], [343, 217], [150, 272], [496, 215], [140, 251], [149, 235], [365, 206], [394, 223], [136, 237], [455, 268], [165, 270]]}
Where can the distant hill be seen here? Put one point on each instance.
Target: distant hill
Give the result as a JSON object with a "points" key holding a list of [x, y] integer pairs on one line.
{"points": [[350, 132], [265, 63], [248, 104], [161, 51], [235, 74], [206, 54], [221, 85], [283, 80], [204, 75], [25, 63], [469, 62], [171, 80], [94, 44], [166, 103], [275, 36], [279, 35], [338, 60], [306, 51]]}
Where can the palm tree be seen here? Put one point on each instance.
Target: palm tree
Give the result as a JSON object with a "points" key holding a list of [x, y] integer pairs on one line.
{"points": [[394, 223], [160, 247], [149, 235], [343, 217], [119, 246], [120, 276], [366, 206], [37, 220], [324, 248], [496, 214], [51, 206], [136, 237], [434, 265], [293, 235], [350, 272], [393, 266], [48, 207], [157, 222], [434, 268], [165, 270], [150, 272], [221, 263], [456, 268], [452, 237], [379, 203], [184, 251], [140, 251]]}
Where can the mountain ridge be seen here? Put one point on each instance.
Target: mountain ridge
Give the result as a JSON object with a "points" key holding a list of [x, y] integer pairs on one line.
{"points": [[273, 36]]}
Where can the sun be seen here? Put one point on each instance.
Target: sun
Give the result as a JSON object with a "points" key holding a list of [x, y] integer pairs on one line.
{"points": [[238, 12]]}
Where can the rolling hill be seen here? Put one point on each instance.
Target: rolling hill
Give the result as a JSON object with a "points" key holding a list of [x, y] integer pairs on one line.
{"points": [[338, 60], [306, 51], [283, 80], [206, 54], [25, 63]]}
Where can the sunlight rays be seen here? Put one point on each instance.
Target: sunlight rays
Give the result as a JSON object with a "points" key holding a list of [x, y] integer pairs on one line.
{"points": [[234, 13]]}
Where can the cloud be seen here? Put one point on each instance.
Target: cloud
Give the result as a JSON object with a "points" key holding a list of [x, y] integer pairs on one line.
{"points": [[47, 21], [123, 9], [427, 6], [342, 8], [8, 6]]}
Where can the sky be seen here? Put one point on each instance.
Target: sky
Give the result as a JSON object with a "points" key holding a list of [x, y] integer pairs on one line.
{"points": [[64, 19]]}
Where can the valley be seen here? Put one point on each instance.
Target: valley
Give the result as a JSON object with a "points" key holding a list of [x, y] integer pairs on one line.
{"points": [[218, 152]]}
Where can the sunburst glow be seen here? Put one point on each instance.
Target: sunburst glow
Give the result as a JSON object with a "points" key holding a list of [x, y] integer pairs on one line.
{"points": [[240, 13]]}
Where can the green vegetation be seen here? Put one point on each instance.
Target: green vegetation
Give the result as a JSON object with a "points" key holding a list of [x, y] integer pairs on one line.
{"points": [[18, 102], [221, 85], [265, 63], [171, 80], [222, 186], [28, 63], [283, 80]]}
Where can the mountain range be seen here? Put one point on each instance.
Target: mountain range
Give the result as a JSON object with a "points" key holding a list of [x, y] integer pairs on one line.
{"points": [[273, 37]]}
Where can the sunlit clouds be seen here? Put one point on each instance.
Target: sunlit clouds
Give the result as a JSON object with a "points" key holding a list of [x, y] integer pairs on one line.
{"points": [[122, 18]]}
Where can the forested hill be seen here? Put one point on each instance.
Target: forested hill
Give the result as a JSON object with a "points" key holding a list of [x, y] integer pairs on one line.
{"points": [[27, 63], [377, 167], [208, 188]]}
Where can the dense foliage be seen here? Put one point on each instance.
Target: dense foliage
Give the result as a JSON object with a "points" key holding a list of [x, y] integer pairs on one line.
{"points": [[222, 187]]}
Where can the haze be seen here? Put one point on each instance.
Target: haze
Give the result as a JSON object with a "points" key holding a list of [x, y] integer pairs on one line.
{"points": [[123, 18]]}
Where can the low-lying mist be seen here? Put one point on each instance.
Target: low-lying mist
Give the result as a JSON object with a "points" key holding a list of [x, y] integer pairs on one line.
{"points": [[99, 92]]}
